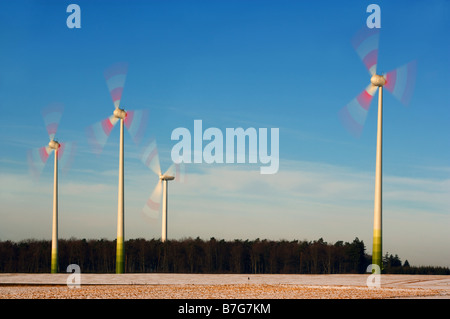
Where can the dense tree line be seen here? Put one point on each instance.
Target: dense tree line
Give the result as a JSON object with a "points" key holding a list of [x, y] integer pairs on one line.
{"points": [[393, 265], [200, 256]]}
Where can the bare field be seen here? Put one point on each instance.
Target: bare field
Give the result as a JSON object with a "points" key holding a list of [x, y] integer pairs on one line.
{"points": [[192, 286], [246, 291]]}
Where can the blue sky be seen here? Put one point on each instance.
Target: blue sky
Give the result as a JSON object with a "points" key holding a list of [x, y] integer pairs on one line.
{"points": [[281, 64]]}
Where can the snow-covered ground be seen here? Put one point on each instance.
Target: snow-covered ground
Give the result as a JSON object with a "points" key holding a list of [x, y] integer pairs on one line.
{"points": [[441, 283]]}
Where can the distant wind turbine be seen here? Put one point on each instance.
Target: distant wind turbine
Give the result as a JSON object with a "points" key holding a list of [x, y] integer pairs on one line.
{"points": [[37, 159], [99, 132], [400, 82], [150, 158]]}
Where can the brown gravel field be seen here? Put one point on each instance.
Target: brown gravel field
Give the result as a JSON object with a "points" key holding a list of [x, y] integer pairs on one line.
{"points": [[222, 286], [244, 291]]}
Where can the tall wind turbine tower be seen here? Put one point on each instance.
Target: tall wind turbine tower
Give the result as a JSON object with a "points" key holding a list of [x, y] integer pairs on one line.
{"points": [[37, 159], [378, 81], [165, 179], [150, 158], [98, 134], [400, 82]]}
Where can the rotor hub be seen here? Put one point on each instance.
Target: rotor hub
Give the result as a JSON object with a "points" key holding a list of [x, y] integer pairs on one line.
{"points": [[378, 80], [54, 145], [120, 113]]}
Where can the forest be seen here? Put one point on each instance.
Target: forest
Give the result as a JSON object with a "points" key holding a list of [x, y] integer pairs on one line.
{"points": [[203, 256]]}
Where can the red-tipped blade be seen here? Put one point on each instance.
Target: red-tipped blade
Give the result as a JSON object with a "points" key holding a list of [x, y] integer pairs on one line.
{"points": [[151, 210], [135, 122], [150, 158], [401, 81], [365, 42], [66, 153], [52, 115], [99, 132], [353, 115], [115, 77], [37, 159]]}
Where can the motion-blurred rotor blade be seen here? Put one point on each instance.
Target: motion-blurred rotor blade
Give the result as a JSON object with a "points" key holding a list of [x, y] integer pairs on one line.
{"points": [[178, 171], [152, 208], [66, 153], [37, 159], [150, 158], [135, 122], [98, 133], [401, 81], [354, 114], [365, 42], [115, 77], [52, 115]]}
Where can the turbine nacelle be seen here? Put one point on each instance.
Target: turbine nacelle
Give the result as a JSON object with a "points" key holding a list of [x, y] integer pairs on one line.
{"points": [[120, 113], [166, 177], [378, 80], [54, 145]]}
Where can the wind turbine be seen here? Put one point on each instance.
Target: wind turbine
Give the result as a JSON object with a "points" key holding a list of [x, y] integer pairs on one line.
{"points": [[150, 158], [99, 132], [400, 82], [37, 159]]}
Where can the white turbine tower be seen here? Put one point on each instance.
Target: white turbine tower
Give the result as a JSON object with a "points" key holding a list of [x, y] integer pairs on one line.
{"points": [[400, 82], [98, 135], [150, 158], [37, 159]]}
